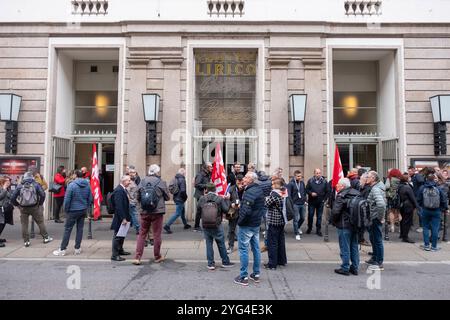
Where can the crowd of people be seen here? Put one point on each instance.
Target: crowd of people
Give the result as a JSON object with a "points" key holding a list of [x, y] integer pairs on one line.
{"points": [[360, 203]]}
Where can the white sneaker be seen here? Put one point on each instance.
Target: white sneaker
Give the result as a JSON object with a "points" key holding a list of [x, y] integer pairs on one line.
{"points": [[300, 231], [419, 230], [392, 229], [297, 237], [48, 239], [59, 252], [77, 252]]}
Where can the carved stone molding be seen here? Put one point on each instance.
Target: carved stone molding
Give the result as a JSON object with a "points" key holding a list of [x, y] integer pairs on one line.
{"points": [[170, 57], [313, 63], [278, 61]]}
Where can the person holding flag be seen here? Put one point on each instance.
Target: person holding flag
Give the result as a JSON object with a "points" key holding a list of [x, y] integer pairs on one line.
{"points": [[218, 176]]}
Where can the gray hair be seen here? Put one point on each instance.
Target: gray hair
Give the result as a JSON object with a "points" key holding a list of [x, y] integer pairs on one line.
{"points": [[153, 170], [124, 178], [375, 175], [252, 175], [28, 175], [182, 171], [345, 182]]}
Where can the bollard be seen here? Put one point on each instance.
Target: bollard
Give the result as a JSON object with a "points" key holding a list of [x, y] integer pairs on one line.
{"points": [[386, 225], [327, 219]]}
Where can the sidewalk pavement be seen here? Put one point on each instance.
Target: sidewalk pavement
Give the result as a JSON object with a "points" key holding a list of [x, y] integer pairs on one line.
{"points": [[186, 245]]}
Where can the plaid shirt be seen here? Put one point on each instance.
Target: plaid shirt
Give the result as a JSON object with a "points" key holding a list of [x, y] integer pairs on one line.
{"points": [[274, 204]]}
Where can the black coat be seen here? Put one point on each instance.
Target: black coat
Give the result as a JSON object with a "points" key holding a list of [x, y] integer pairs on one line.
{"points": [[121, 205], [322, 189], [252, 207], [181, 195], [201, 180], [340, 214], [5, 203], [365, 191], [293, 192], [407, 198]]}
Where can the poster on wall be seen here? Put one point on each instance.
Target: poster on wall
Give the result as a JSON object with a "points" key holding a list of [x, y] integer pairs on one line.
{"points": [[442, 163], [15, 167]]}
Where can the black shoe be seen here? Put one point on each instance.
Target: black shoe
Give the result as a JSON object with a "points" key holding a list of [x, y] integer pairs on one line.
{"points": [[187, 226], [342, 272], [137, 232], [117, 258], [167, 228], [146, 243], [2, 240], [124, 253], [152, 242], [2, 245], [309, 231], [370, 253], [371, 262], [319, 233], [268, 267], [353, 271], [408, 240], [59, 221]]}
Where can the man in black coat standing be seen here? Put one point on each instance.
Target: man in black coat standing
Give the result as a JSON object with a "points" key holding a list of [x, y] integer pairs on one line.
{"points": [[121, 204], [201, 180], [318, 191]]}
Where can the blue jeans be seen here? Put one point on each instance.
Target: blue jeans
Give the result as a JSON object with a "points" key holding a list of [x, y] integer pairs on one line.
{"points": [[249, 236], [376, 239], [211, 235], [348, 245], [312, 207], [299, 217], [420, 213], [431, 219], [179, 212], [72, 218], [134, 217]]}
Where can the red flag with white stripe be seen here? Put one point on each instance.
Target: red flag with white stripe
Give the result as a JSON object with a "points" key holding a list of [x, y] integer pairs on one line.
{"points": [[338, 172], [218, 176], [95, 184]]}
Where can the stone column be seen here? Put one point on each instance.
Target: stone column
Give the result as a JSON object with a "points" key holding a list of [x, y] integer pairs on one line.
{"points": [[279, 122], [313, 119], [171, 152], [136, 148]]}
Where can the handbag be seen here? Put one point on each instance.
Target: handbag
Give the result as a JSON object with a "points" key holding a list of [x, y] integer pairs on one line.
{"points": [[54, 187]]}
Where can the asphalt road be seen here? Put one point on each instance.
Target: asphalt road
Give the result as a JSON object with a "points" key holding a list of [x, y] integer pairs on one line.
{"points": [[101, 279]]}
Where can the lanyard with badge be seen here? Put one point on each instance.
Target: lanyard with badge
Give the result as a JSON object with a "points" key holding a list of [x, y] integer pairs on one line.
{"points": [[298, 189]]}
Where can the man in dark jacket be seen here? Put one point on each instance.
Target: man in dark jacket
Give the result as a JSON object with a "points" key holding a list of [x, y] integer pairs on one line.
{"points": [[231, 178], [318, 190], [431, 216], [417, 180], [77, 200], [250, 214], [152, 219], [30, 186], [215, 233], [179, 198], [236, 193], [297, 191], [201, 180], [121, 204], [348, 238]]}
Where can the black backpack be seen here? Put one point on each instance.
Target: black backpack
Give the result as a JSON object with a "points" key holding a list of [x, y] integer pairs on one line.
{"points": [[431, 198], [149, 197], [109, 203], [210, 215], [358, 213]]}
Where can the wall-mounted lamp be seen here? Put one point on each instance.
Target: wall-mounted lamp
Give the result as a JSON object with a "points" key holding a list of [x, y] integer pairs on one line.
{"points": [[9, 112], [150, 101], [440, 107], [297, 104]]}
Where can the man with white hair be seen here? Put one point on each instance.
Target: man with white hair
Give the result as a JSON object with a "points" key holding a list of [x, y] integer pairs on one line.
{"points": [[251, 210], [201, 180], [154, 188], [178, 188], [348, 237]]}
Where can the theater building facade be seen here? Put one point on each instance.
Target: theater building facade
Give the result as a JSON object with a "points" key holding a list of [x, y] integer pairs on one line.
{"points": [[224, 72]]}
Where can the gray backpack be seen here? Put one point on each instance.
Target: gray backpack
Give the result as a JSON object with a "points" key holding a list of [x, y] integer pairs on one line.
{"points": [[28, 196], [431, 198]]}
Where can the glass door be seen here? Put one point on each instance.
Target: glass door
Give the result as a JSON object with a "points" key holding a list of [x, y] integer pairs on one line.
{"points": [[358, 154]]}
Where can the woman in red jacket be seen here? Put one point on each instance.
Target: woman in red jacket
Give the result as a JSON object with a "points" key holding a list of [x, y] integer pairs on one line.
{"points": [[60, 178]]}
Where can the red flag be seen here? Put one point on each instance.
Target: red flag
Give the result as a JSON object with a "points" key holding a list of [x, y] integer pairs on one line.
{"points": [[338, 172], [218, 173], [95, 184]]}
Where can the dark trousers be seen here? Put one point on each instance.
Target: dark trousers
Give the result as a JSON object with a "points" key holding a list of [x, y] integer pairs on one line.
{"points": [[117, 245], [315, 207], [2, 226], [57, 204], [232, 231], [197, 216], [72, 218], [406, 223], [277, 246]]}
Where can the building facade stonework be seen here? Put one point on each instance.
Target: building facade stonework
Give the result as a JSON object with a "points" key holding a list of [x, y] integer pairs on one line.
{"points": [[368, 81]]}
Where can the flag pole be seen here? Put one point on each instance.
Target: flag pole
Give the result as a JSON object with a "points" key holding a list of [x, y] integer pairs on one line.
{"points": [[90, 223]]}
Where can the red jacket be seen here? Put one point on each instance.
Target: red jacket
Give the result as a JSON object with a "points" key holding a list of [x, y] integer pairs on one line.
{"points": [[59, 179]]}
